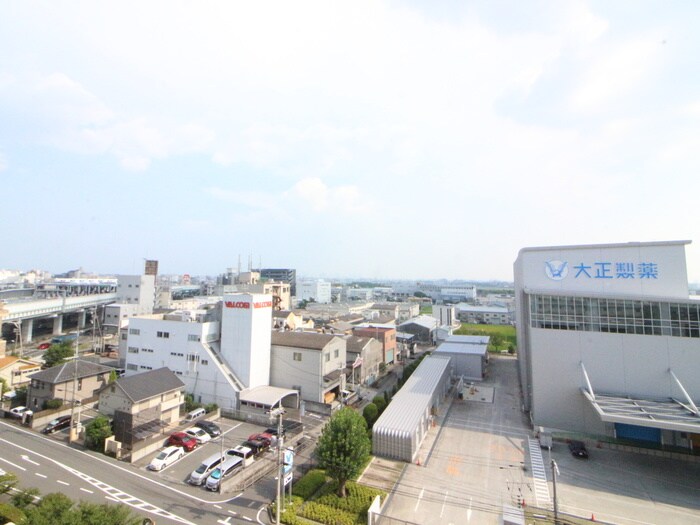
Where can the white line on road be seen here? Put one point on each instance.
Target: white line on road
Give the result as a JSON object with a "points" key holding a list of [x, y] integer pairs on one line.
{"points": [[443, 504], [26, 458], [233, 512], [247, 518], [10, 463], [469, 511], [62, 482], [87, 490], [419, 498], [41, 475], [217, 506]]}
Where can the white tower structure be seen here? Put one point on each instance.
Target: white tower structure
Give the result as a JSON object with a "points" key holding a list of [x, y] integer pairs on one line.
{"points": [[246, 336]]}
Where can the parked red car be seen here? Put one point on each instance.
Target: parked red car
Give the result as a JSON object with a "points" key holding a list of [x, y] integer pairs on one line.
{"points": [[44, 346], [263, 436], [180, 439]]}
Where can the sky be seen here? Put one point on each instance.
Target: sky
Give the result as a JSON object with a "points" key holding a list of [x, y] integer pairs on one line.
{"points": [[368, 139]]}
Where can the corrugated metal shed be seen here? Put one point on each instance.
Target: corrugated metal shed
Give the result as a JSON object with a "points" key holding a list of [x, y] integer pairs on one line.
{"points": [[400, 430]]}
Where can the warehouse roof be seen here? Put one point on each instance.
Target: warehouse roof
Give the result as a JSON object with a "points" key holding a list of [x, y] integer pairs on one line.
{"points": [[462, 348], [409, 404]]}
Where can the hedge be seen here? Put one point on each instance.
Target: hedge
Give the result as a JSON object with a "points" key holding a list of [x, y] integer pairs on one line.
{"points": [[325, 514], [357, 501], [309, 484]]}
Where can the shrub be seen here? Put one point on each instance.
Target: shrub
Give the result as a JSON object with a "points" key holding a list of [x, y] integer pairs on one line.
{"points": [[370, 413], [211, 407], [325, 514], [380, 403], [309, 484], [8, 513], [357, 501], [52, 404]]}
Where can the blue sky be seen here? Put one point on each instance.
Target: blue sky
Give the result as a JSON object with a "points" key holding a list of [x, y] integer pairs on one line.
{"points": [[359, 139]]}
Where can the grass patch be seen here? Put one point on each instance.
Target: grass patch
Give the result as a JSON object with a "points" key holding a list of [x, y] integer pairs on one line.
{"points": [[426, 309], [502, 336]]}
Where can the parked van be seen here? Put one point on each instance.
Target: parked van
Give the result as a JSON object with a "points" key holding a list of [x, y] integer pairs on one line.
{"points": [[245, 453], [223, 471], [201, 473], [195, 414]]}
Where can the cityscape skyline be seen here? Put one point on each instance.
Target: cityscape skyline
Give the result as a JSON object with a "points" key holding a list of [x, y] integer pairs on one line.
{"points": [[373, 140]]}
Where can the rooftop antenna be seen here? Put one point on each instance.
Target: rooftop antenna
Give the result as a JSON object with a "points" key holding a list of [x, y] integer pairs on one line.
{"points": [[250, 262], [239, 264]]}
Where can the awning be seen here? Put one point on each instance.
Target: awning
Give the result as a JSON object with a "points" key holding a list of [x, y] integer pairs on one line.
{"points": [[268, 396], [666, 415]]}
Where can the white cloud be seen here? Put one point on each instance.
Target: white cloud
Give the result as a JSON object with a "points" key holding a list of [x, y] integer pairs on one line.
{"points": [[3, 162]]}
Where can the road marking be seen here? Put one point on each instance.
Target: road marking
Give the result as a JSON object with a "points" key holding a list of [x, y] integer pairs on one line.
{"points": [[26, 458], [10, 463], [217, 506], [247, 518], [443, 504], [224, 522], [41, 475], [62, 482], [469, 511], [419, 498], [232, 512], [87, 490], [539, 475]]}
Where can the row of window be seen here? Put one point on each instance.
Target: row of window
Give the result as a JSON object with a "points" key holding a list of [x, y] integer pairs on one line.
{"points": [[166, 335], [591, 314]]}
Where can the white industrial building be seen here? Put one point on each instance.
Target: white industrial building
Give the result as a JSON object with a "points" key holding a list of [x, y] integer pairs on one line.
{"points": [[402, 427], [609, 341], [218, 353], [482, 314], [318, 290], [469, 355]]}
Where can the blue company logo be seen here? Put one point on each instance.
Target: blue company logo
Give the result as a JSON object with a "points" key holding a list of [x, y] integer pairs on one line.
{"points": [[556, 270]]}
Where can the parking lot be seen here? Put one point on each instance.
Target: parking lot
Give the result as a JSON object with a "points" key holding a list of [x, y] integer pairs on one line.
{"points": [[480, 460]]}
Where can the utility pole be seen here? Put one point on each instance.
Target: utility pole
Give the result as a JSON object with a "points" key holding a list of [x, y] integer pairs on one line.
{"points": [[280, 462], [555, 471], [73, 433]]}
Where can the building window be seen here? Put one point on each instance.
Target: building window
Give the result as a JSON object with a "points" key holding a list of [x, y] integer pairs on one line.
{"points": [[205, 362], [134, 331], [177, 354], [193, 357], [133, 350], [124, 337], [297, 356], [132, 367], [164, 335], [336, 352], [328, 356], [149, 350], [193, 337], [143, 367], [80, 383]]}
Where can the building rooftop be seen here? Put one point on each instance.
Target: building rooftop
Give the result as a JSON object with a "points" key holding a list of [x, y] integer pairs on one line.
{"points": [[67, 371], [139, 387], [310, 340]]}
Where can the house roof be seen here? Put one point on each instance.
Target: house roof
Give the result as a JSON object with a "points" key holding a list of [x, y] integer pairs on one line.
{"points": [[146, 385], [310, 340], [67, 372], [281, 313], [355, 343]]}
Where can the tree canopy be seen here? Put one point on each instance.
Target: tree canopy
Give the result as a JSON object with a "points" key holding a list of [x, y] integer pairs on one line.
{"points": [[58, 353], [344, 447]]}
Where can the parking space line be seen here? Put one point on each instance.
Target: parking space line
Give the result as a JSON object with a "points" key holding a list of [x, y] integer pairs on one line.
{"points": [[41, 475], [420, 496], [62, 482]]}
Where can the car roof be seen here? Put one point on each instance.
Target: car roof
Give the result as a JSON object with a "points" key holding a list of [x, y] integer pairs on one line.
{"points": [[170, 449]]}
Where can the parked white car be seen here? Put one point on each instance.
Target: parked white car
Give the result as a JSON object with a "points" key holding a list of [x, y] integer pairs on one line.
{"points": [[20, 411], [167, 456], [200, 435]]}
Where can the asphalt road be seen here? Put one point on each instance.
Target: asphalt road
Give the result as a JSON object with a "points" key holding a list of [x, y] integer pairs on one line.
{"points": [[49, 464]]}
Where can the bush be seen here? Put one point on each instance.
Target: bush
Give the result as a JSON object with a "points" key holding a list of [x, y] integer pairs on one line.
{"points": [[309, 484], [325, 514], [53, 404], [8, 513], [380, 403], [211, 407], [370, 413], [358, 500], [96, 432]]}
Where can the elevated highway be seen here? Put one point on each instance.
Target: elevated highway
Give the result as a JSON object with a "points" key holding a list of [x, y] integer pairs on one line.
{"points": [[22, 313]]}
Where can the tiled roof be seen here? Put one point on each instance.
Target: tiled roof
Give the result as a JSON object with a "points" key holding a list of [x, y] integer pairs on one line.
{"points": [[139, 387], [67, 372]]}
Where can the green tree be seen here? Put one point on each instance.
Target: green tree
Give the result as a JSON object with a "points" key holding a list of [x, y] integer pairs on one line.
{"points": [[3, 387], [58, 509], [53, 509], [112, 376], [96, 432], [58, 354], [23, 498], [104, 514], [343, 447], [11, 514], [7, 482], [419, 294], [370, 413]]}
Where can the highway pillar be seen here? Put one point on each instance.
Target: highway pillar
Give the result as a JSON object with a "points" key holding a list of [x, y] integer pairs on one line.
{"points": [[81, 319], [27, 330], [58, 324]]}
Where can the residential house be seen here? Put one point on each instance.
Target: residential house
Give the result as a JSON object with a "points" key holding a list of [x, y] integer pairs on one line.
{"points": [[382, 333], [75, 380], [364, 355]]}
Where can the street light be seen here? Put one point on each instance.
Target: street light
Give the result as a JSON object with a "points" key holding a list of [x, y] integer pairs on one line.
{"points": [[18, 332]]}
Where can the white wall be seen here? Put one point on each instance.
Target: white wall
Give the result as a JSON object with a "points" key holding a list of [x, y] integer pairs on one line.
{"points": [[246, 336]]}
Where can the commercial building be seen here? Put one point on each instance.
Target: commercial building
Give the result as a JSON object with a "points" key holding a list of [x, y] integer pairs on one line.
{"points": [[469, 355], [479, 314], [319, 291], [386, 335], [422, 327], [609, 341], [285, 275]]}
